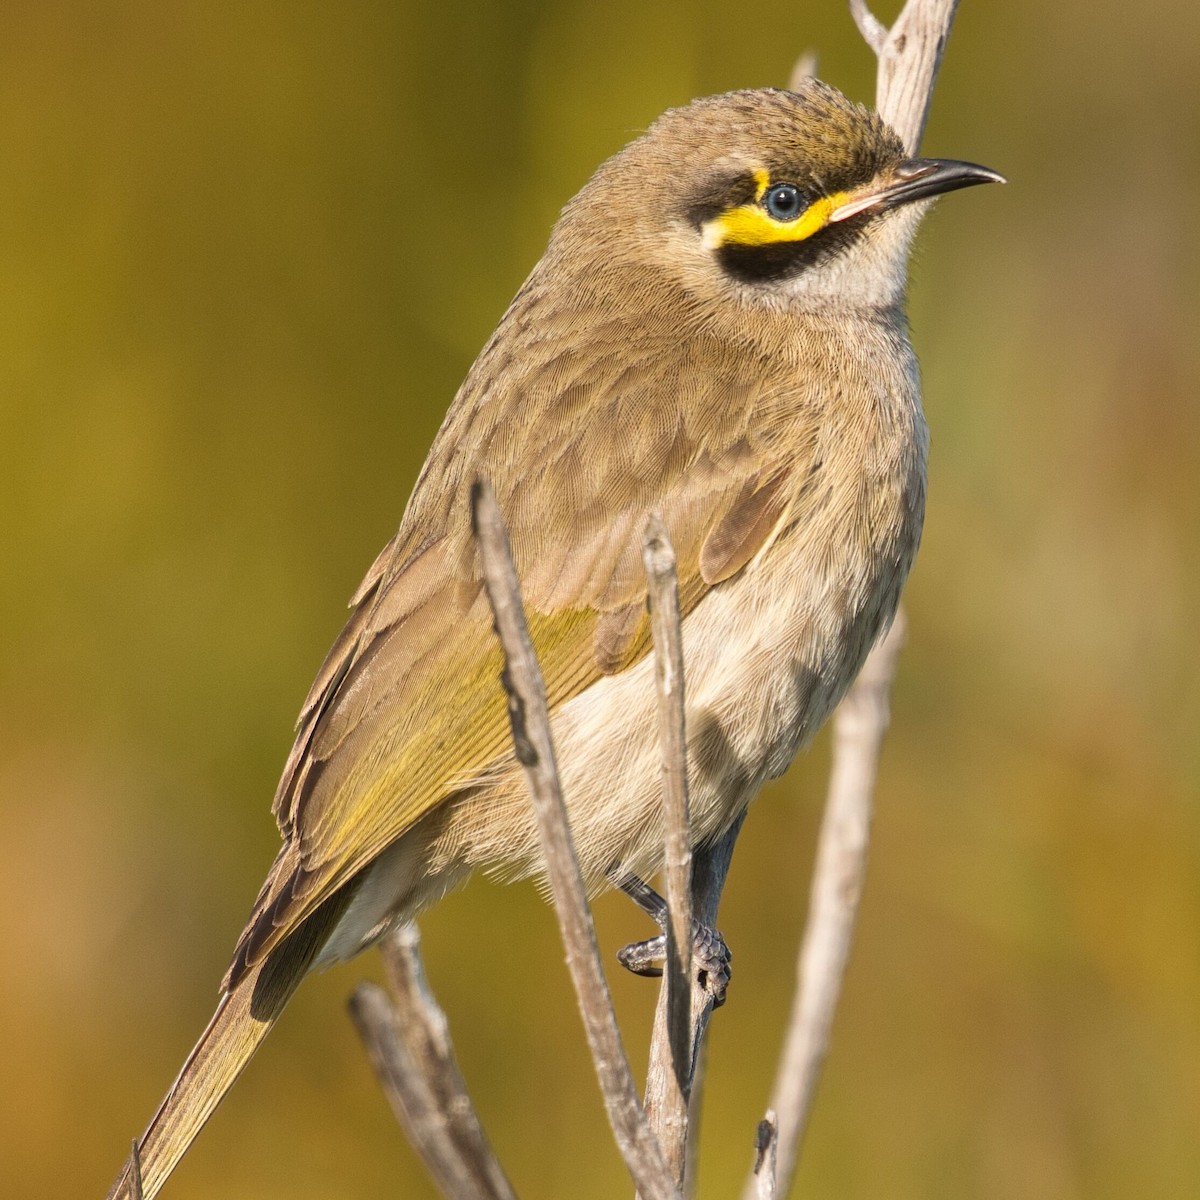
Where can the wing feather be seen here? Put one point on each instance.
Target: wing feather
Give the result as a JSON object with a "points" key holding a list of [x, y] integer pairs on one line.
{"points": [[409, 704]]}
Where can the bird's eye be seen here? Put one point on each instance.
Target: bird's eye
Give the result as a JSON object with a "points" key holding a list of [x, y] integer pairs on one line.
{"points": [[784, 201]]}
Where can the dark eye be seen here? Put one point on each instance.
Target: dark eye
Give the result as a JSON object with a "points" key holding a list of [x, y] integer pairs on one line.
{"points": [[784, 201]]}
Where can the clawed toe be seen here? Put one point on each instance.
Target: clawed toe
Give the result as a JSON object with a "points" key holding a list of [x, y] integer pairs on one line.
{"points": [[710, 955], [711, 959], [644, 958]]}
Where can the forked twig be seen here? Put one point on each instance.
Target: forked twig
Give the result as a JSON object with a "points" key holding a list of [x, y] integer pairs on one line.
{"points": [[909, 55], [534, 749], [408, 1043], [873, 30], [672, 1079]]}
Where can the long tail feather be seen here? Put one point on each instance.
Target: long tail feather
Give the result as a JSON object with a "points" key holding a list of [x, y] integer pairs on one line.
{"points": [[243, 1018]]}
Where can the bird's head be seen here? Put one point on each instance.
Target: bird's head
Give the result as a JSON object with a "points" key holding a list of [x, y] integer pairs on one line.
{"points": [[795, 199]]}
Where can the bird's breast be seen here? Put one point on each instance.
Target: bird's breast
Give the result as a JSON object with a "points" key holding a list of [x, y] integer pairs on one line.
{"points": [[769, 652]]}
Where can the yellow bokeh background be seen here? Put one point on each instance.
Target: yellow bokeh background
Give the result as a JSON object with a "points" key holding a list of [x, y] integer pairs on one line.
{"points": [[247, 251]]}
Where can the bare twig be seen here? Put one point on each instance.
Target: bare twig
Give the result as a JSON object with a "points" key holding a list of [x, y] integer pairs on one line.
{"points": [[805, 68], [858, 729], [669, 1083], [668, 1099], [766, 1146], [672, 1094], [408, 1043], [534, 749], [135, 1172], [873, 30], [909, 54]]}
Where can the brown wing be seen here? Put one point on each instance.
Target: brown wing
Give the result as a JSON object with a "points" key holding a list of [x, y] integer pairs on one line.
{"points": [[408, 705]]}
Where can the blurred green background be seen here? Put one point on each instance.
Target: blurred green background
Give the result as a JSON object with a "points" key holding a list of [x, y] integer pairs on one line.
{"points": [[228, 332]]}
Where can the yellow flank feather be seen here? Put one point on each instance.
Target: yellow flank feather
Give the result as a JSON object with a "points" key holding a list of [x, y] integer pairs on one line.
{"points": [[391, 790], [394, 786], [752, 225]]}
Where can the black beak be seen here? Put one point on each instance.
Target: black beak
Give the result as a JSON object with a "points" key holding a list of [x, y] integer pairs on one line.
{"points": [[915, 179]]}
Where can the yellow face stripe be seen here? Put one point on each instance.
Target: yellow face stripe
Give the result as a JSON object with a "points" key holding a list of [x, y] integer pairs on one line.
{"points": [[751, 224]]}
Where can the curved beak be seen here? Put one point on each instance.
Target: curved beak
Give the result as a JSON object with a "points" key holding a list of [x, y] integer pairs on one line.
{"points": [[915, 179]]}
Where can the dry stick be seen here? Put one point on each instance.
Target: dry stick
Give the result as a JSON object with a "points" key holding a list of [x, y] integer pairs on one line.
{"points": [[858, 729], [135, 1172], [669, 1078], [535, 751], [909, 54], [663, 596], [805, 68], [909, 57], [873, 30], [673, 1096], [766, 1149], [408, 1043]]}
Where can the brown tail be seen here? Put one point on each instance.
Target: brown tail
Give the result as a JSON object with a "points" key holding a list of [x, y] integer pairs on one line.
{"points": [[243, 1018]]}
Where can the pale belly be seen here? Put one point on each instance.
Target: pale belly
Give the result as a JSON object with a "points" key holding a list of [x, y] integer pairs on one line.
{"points": [[766, 660]]}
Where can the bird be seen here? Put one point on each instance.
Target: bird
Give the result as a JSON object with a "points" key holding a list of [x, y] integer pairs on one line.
{"points": [[715, 334]]}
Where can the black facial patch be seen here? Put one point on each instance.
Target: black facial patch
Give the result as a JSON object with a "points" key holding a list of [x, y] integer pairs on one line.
{"points": [[775, 261]]}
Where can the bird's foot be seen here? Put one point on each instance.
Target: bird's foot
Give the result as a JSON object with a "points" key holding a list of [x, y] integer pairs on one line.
{"points": [[711, 957]]}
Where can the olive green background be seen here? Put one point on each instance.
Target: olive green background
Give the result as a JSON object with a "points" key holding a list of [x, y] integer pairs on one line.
{"points": [[247, 251]]}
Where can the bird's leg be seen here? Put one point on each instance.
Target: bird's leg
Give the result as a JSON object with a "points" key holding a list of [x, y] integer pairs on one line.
{"points": [[711, 957]]}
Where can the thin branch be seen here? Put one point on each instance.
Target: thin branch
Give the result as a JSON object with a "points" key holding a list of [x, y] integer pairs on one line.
{"points": [[805, 68], [766, 1147], [408, 1043], [663, 595], [534, 750], [135, 1172], [669, 1078], [908, 65], [672, 1093], [873, 30], [858, 729]]}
